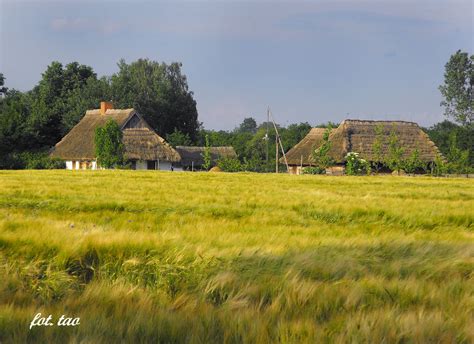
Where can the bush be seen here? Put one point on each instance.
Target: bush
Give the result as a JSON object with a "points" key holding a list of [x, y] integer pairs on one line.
{"points": [[439, 167], [313, 170], [230, 165], [356, 165], [35, 161], [413, 163]]}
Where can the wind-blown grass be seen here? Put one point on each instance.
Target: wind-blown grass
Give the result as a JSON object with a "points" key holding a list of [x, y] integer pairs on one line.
{"points": [[254, 258]]}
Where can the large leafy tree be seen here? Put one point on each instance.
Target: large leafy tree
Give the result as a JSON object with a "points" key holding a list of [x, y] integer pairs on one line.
{"points": [[14, 114], [54, 101], [159, 92], [109, 148], [458, 88], [249, 125], [3, 89], [445, 133]]}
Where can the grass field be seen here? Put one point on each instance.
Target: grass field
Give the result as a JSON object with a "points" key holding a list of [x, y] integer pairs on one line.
{"points": [[236, 258]]}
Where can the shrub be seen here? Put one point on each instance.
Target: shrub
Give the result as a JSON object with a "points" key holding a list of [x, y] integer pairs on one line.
{"points": [[230, 165], [39, 161], [313, 170], [413, 163], [356, 165], [439, 167]]}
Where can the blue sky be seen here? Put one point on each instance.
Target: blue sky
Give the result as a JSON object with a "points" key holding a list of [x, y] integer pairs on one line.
{"points": [[311, 61]]}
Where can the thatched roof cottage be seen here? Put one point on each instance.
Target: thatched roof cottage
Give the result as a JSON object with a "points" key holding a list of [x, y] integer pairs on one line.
{"points": [[192, 157], [144, 148], [359, 136]]}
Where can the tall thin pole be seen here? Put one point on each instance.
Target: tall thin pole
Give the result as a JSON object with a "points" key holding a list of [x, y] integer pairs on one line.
{"points": [[278, 140], [266, 135], [276, 153]]}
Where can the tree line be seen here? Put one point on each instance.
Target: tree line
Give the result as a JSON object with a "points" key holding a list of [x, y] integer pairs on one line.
{"points": [[34, 121]]}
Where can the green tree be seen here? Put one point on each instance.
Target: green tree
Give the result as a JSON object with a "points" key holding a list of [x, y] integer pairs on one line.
{"points": [[413, 163], [51, 99], [458, 88], [159, 92], [177, 138], [109, 148], [377, 147], [458, 159], [442, 133], [320, 157], [80, 99], [3, 89], [395, 152], [14, 137], [248, 125], [206, 155]]}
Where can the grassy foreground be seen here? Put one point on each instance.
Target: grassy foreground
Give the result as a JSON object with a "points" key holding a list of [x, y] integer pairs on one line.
{"points": [[235, 258]]}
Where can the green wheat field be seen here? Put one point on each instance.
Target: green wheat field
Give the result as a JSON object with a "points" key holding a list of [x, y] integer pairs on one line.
{"points": [[236, 258]]}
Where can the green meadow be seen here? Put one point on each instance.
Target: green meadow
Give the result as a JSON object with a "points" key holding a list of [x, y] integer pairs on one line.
{"points": [[235, 258]]}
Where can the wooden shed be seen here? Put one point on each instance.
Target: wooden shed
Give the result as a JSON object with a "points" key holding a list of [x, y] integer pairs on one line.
{"points": [[192, 157]]}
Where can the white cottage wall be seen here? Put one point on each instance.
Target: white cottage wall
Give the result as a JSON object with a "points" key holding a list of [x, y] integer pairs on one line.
{"points": [[141, 165]]}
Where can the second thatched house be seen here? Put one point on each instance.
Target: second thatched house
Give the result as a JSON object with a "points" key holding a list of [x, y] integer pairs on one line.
{"points": [[144, 148], [192, 157], [360, 136]]}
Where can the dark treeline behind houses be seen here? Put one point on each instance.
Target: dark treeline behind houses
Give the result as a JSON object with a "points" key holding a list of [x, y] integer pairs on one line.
{"points": [[32, 122]]}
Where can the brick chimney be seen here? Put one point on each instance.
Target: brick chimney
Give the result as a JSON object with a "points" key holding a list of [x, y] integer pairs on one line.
{"points": [[104, 106]]}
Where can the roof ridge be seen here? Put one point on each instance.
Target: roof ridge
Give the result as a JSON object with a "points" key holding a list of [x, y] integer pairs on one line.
{"points": [[378, 121]]}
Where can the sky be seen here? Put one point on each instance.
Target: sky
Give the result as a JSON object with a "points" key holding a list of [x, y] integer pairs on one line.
{"points": [[312, 61]]}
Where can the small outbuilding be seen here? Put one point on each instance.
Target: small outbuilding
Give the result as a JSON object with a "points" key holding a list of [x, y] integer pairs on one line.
{"points": [[192, 157], [144, 148], [360, 136]]}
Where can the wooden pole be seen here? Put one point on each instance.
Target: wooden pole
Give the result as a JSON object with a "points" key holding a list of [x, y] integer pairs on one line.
{"points": [[276, 153], [267, 138], [279, 141]]}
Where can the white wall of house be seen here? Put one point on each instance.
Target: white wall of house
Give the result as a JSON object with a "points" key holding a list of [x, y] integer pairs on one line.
{"points": [[141, 165], [76, 165], [164, 165], [159, 165]]}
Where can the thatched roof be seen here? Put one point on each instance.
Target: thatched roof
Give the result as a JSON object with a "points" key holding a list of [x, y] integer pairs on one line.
{"points": [[360, 135], [142, 143], [193, 155], [304, 148], [145, 144]]}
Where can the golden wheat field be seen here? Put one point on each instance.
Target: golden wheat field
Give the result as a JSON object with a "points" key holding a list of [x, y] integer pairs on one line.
{"points": [[167, 257]]}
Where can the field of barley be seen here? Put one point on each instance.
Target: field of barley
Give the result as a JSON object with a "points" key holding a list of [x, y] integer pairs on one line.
{"points": [[235, 258]]}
